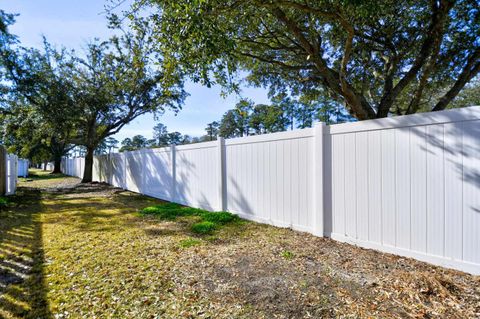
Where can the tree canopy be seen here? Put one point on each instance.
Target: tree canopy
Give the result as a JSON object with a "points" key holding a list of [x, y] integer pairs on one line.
{"points": [[82, 100], [115, 83], [376, 57]]}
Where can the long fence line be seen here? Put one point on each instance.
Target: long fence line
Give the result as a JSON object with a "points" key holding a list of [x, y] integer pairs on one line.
{"points": [[408, 185]]}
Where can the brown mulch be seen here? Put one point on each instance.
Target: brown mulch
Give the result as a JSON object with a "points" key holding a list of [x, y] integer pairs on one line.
{"points": [[326, 278]]}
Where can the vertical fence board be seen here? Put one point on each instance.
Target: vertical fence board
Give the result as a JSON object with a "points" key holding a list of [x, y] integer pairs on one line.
{"points": [[388, 186], [453, 190], [350, 187], [338, 180], [402, 187], [375, 197], [361, 178], [435, 191], [418, 188], [471, 198]]}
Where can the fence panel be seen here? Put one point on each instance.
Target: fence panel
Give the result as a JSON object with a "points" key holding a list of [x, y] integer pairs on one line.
{"points": [[134, 171], [196, 175], [410, 187], [22, 167], [12, 172], [117, 165], [102, 169], [269, 178], [73, 166], [159, 173]]}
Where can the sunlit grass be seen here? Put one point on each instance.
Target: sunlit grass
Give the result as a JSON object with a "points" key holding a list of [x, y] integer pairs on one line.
{"points": [[38, 178]]}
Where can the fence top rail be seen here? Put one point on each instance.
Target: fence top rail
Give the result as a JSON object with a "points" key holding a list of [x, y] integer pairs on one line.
{"points": [[448, 116], [196, 146], [294, 134]]}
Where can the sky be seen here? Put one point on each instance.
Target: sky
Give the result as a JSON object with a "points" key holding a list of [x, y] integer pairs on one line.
{"points": [[73, 23]]}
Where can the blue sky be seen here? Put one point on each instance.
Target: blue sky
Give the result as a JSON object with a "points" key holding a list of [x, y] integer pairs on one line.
{"points": [[72, 23]]}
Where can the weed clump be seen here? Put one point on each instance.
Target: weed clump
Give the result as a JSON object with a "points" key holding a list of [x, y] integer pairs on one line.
{"points": [[189, 242], [203, 228], [288, 255], [208, 221], [3, 202], [169, 211], [219, 217]]}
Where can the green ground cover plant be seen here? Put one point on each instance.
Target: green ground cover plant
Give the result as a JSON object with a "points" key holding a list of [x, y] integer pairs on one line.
{"points": [[207, 222]]}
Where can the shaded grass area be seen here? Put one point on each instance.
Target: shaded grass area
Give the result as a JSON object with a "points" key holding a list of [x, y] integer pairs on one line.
{"points": [[39, 174], [22, 277], [93, 251], [41, 179]]}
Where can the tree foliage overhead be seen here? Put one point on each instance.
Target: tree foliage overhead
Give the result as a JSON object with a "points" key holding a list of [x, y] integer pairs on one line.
{"points": [[116, 83], [376, 57], [40, 108], [84, 99]]}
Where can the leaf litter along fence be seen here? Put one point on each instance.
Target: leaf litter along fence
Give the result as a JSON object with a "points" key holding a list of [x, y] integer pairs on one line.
{"points": [[408, 185]]}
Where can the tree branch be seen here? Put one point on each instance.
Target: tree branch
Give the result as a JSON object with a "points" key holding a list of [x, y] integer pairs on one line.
{"points": [[434, 34], [357, 105], [471, 69]]}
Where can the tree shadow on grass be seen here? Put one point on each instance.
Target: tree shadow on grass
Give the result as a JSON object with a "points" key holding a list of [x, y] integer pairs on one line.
{"points": [[42, 175], [22, 284]]}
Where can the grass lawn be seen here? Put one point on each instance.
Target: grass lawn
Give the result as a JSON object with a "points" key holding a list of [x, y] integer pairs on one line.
{"points": [[92, 251]]}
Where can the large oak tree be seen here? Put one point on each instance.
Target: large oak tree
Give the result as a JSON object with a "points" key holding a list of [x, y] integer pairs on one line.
{"points": [[376, 57], [116, 82], [39, 107]]}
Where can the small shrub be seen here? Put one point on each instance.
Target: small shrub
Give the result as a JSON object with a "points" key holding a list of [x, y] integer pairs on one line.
{"points": [[288, 255], [219, 217], [189, 242], [203, 228]]}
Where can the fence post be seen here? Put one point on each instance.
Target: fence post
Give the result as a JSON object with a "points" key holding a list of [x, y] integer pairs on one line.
{"points": [[173, 155], [221, 174], [318, 179], [3, 170]]}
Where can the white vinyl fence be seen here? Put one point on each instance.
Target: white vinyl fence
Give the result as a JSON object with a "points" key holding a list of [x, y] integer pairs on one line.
{"points": [[22, 167], [47, 166], [408, 185], [73, 166], [11, 176]]}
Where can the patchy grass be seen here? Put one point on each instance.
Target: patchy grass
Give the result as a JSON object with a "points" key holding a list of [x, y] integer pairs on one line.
{"points": [[3, 202], [69, 250], [288, 255], [189, 242], [205, 222], [203, 228]]}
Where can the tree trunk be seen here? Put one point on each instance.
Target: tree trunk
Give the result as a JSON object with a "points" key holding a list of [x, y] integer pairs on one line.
{"points": [[45, 165], [57, 166], [87, 172]]}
